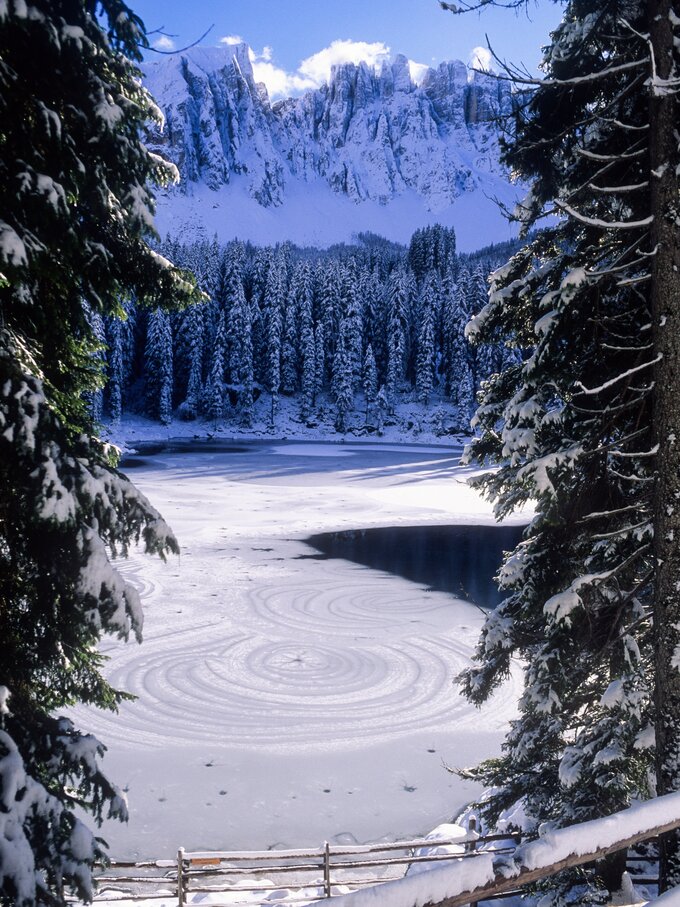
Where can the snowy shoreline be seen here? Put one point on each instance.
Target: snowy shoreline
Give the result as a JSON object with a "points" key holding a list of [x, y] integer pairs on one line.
{"points": [[289, 427]]}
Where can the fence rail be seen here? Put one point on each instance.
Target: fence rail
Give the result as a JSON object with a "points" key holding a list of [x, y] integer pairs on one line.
{"points": [[306, 875], [318, 872]]}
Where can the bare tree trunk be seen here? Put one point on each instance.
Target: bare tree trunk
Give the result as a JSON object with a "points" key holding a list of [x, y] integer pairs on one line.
{"points": [[665, 305]]}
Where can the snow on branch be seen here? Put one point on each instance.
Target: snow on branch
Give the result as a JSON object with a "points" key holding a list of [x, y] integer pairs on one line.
{"points": [[623, 156], [24, 801], [616, 190], [580, 80], [471, 879], [613, 381], [608, 225]]}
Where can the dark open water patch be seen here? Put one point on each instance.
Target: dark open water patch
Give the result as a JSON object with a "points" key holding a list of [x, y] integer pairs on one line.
{"points": [[462, 560], [133, 462], [138, 457]]}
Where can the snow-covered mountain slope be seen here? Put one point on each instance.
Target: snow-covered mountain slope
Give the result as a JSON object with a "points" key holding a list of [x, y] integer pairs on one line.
{"points": [[369, 151]]}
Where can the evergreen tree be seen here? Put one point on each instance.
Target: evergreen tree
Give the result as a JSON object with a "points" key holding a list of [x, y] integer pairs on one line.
{"points": [[246, 371], [383, 406], [411, 325], [463, 395], [193, 335], [234, 301], [273, 315], [455, 356], [239, 335], [308, 370], [319, 358], [158, 360], [431, 248], [76, 216], [370, 292], [397, 301], [239, 365], [485, 358], [342, 379], [586, 427], [307, 339], [259, 278], [370, 379], [114, 386], [96, 396], [120, 341], [289, 347], [352, 321], [330, 309], [426, 352], [214, 389]]}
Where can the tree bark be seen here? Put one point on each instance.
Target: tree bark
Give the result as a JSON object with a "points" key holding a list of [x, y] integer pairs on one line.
{"points": [[665, 307]]}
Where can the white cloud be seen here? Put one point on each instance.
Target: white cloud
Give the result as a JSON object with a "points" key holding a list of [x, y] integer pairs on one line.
{"points": [[317, 68], [164, 43], [481, 58], [280, 84]]}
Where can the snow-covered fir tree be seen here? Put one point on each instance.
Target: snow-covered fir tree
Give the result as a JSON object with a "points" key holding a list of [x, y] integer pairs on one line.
{"points": [[115, 369], [120, 336], [370, 379], [330, 306], [426, 362], [352, 320], [586, 427], [96, 397], [342, 376], [273, 306], [397, 293], [240, 337], [213, 394], [76, 216], [192, 323], [289, 346], [319, 358], [158, 357]]}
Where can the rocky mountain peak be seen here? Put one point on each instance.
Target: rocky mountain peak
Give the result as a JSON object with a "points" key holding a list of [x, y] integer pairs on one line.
{"points": [[368, 135]]}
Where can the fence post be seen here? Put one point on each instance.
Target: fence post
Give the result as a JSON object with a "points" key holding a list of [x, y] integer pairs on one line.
{"points": [[181, 892], [326, 869], [471, 846]]}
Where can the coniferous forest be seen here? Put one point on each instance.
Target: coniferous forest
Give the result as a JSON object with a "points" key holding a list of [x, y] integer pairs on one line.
{"points": [[345, 333]]}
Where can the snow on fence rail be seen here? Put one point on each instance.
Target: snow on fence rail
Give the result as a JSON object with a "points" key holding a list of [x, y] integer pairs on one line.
{"points": [[332, 867], [479, 867], [490, 875], [305, 874]]}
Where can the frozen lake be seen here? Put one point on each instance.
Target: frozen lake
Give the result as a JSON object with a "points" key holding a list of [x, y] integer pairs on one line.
{"points": [[286, 699]]}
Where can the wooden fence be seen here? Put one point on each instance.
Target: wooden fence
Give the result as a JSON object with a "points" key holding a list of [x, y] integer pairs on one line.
{"points": [[301, 875], [313, 873]]}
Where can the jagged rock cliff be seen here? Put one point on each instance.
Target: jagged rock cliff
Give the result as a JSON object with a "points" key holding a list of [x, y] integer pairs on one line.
{"points": [[367, 136]]}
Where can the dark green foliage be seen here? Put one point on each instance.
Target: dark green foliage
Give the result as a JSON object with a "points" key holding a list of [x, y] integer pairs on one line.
{"points": [[74, 243], [571, 430]]}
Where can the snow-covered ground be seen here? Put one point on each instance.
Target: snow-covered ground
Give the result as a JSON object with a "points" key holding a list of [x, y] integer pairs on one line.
{"points": [[284, 700], [313, 215]]}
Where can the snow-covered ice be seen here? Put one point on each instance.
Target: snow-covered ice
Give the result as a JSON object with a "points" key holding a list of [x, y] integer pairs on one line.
{"points": [[313, 215], [284, 699]]}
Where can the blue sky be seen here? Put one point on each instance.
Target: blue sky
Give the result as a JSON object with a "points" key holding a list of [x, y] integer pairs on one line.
{"points": [[293, 40]]}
